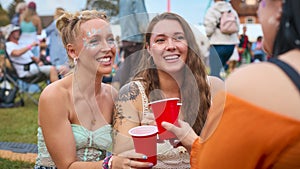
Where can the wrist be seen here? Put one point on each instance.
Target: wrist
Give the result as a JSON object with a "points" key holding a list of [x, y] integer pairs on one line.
{"points": [[29, 47], [110, 162], [107, 162]]}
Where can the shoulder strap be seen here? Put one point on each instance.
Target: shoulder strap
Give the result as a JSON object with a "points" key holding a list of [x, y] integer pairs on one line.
{"points": [[288, 70], [144, 97]]}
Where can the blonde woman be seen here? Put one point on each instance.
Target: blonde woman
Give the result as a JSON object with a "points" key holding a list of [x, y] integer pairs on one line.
{"points": [[31, 27], [75, 114]]}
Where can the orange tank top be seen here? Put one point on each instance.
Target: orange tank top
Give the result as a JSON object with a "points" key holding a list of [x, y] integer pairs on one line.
{"points": [[249, 137]]}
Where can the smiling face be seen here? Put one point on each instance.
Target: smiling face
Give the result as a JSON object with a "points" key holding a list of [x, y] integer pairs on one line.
{"points": [[168, 46], [96, 43], [15, 35]]}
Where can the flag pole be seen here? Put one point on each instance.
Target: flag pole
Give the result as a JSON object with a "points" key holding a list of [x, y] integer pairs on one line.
{"points": [[168, 5]]}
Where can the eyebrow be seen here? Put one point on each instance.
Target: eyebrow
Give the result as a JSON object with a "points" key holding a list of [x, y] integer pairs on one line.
{"points": [[162, 34]]}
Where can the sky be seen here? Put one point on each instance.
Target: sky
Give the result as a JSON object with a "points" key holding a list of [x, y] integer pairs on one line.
{"points": [[192, 10]]}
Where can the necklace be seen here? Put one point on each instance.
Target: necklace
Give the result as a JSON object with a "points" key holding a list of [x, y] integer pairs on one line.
{"points": [[84, 102], [93, 121]]}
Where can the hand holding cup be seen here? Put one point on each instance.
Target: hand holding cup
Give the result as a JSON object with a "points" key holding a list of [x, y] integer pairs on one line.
{"points": [[184, 132], [144, 139]]}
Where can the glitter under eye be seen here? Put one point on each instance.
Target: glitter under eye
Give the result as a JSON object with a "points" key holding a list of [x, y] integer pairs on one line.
{"points": [[93, 32]]}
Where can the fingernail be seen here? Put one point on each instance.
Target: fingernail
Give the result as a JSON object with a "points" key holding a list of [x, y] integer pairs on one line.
{"points": [[145, 157], [150, 164]]}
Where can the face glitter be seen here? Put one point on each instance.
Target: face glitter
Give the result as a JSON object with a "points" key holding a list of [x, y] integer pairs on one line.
{"points": [[263, 3]]}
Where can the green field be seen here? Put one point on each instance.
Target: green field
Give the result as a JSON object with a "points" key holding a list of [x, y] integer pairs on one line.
{"points": [[18, 125]]}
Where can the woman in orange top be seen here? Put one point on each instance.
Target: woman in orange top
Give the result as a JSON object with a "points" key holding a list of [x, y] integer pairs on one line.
{"points": [[258, 127]]}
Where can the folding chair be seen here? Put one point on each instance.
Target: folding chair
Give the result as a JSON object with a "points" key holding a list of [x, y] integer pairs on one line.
{"points": [[9, 90], [40, 79]]}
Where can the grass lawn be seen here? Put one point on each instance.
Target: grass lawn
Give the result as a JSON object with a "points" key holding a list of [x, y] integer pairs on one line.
{"points": [[18, 125], [6, 164]]}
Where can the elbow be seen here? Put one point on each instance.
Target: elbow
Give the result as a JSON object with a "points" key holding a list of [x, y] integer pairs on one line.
{"points": [[15, 54]]}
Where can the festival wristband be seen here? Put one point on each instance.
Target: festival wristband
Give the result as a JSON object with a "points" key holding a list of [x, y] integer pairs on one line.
{"points": [[106, 161], [29, 47], [110, 162]]}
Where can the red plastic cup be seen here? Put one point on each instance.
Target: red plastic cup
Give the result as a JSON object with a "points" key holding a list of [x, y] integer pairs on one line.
{"points": [[145, 139], [165, 110]]}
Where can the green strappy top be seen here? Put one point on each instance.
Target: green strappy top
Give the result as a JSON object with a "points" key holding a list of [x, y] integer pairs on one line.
{"points": [[90, 145]]}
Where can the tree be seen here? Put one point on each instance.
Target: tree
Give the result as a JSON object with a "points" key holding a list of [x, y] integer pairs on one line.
{"points": [[110, 7], [3, 17], [12, 8]]}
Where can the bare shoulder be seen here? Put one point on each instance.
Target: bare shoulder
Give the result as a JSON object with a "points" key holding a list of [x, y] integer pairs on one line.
{"points": [[54, 98], [54, 91], [267, 86], [109, 90], [36, 18], [54, 102], [250, 77], [216, 85], [130, 99], [216, 82], [129, 92]]}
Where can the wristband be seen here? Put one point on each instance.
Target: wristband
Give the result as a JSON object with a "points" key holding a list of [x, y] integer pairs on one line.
{"points": [[105, 164], [110, 162], [29, 47]]}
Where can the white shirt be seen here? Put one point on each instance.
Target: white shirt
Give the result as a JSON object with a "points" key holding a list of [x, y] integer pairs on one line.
{"points": [[211, 19], [23, 59]]}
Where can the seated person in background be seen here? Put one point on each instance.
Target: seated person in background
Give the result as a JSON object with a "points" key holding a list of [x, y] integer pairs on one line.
{"points": [[257, 50], [21, 56]]}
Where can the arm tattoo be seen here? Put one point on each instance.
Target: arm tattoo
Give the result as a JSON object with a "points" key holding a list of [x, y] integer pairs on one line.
{"points": [[127, 93]]}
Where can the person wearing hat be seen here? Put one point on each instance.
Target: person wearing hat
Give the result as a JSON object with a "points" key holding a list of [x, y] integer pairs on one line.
{"points": [[31, 27], [21, 55]]}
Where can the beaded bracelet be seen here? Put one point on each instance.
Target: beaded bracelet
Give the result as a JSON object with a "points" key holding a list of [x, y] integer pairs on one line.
{"points": [[105, 162]]}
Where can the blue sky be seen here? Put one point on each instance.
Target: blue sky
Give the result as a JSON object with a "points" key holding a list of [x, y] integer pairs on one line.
{"points": [[192, 10]]}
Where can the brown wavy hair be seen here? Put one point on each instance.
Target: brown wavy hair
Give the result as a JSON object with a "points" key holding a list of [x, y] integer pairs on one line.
{"points": [[195, 97]]}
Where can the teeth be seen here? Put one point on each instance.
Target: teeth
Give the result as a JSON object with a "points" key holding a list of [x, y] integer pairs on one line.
{"points": [[171, 57], [105, 59]]}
